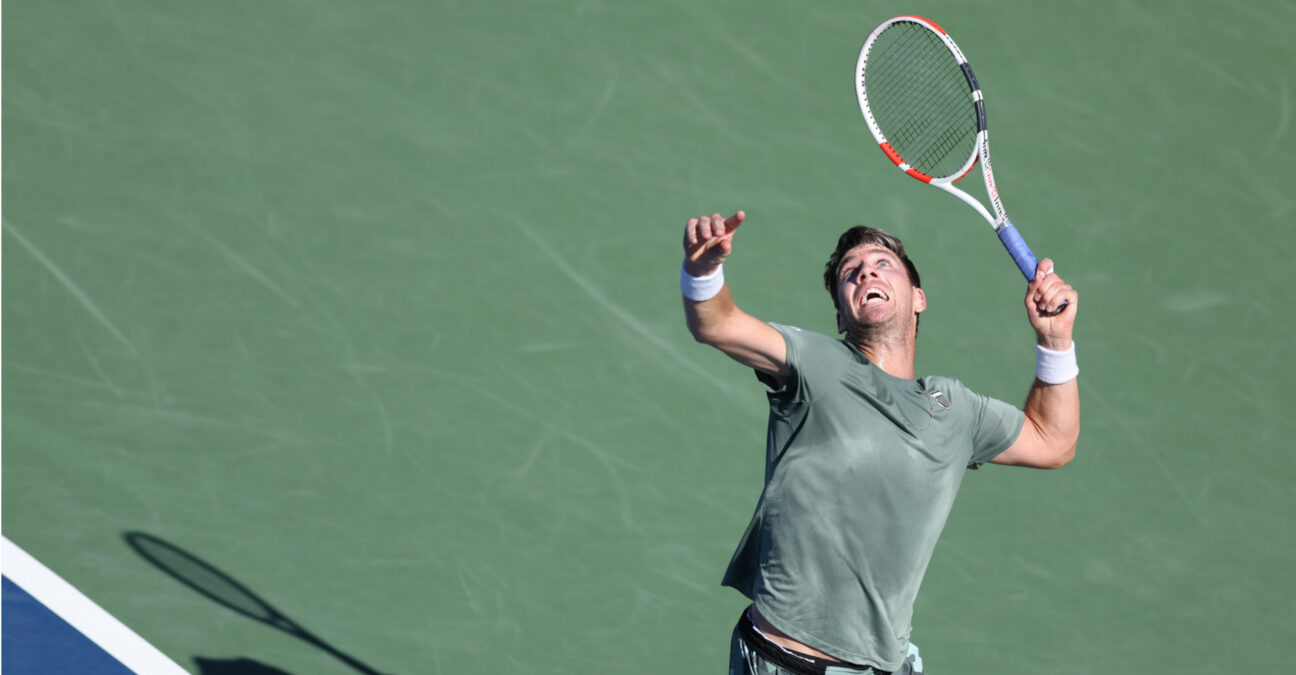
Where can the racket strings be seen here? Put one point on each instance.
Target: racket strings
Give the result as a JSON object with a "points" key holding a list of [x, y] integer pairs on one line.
{"points": [[936, 102], [921, 100]]}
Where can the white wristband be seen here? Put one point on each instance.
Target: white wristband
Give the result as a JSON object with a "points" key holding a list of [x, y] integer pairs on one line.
{"points": [[1056, 367], [701, 288]]}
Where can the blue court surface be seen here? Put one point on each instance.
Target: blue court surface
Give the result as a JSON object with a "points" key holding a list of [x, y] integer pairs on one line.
{"points": [[51, 628], [36, 640]]}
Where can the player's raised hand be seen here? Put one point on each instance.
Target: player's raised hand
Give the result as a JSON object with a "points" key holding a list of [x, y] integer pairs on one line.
{"points": [[1044, 296], [708, 241]]}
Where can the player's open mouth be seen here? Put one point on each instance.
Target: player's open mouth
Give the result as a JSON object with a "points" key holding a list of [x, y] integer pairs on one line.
{"points": [[874, 295]]}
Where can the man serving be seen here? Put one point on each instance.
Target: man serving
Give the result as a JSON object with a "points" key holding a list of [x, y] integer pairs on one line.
{"points": [[863, 461]]}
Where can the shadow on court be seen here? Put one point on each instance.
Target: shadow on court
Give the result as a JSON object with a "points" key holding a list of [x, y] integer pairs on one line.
{"points": [[223, 589], [242, 666]]}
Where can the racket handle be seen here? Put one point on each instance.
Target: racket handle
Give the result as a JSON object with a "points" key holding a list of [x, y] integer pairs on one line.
{"points": [[1022, 255], [1017, 248]]}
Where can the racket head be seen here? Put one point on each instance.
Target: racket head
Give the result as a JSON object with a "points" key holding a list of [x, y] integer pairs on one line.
{"points": [[920, 99]]}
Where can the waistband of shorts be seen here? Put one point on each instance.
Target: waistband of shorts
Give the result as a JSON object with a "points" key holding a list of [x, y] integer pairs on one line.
{"points": [[793, 662]]}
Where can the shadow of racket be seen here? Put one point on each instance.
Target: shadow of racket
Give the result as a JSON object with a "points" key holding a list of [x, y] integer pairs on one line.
{"points": [[221, 588]]}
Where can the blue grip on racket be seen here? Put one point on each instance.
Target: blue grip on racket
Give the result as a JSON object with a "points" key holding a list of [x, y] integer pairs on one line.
{"points": [[1020, 252], [1022, 255]]}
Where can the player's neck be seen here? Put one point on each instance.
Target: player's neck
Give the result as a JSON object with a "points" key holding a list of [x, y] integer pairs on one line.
{"points": [[891, 352]]}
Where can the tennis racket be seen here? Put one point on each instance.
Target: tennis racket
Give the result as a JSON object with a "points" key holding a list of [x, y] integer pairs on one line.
{"points": [[925, 108]]}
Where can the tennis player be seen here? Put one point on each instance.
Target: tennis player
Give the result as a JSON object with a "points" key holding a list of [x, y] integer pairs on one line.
{"points": [[863, 460]]}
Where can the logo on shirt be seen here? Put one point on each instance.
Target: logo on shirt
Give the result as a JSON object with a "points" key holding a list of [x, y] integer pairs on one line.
{"points": [[941, 399]]}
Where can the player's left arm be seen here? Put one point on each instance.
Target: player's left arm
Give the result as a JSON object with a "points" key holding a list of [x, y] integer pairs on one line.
{"points": [[1052, 427]]}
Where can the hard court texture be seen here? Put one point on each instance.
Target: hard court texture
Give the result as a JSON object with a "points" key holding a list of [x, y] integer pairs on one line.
{"points": [[368, 312]]}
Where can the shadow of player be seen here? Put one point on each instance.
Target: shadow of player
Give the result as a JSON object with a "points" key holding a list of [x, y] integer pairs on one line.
{"points": [[240, 666]]}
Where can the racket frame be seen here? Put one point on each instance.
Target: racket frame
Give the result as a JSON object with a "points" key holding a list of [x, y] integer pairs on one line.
{"points": [[1003, 227]]}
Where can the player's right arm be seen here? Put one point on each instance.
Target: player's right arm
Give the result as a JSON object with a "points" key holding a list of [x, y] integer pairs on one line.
{"points": [[717, 321]]}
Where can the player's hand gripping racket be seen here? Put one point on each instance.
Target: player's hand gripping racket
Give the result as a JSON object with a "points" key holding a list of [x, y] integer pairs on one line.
{"points": [[923, 105]]}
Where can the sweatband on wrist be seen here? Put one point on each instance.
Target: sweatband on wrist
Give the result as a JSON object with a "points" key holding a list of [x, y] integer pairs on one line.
{"points": [[701, 288], [1056, 367]]}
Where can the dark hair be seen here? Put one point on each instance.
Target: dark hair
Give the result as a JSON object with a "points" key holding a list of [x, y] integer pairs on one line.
{"points": [[858, 236]]}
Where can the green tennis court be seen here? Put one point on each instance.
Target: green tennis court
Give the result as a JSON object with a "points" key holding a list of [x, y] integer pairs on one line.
{"points": [[372, 310]]}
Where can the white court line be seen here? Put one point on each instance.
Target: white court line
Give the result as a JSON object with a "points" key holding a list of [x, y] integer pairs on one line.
{"points": [[82, 613]]}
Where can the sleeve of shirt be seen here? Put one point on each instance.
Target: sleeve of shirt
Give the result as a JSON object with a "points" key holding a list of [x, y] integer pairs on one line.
{"points": [[995, 426], [812, 360], [788, 393]]}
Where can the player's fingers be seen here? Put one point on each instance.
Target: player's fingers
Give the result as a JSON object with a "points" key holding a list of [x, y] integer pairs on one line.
{"points": [[708, 228], [1045, 290], [1044, 279], [1043, 269], [735, 220], [711, 235], [717, 225], [1054, 295], [732, 222], [1042, 284]]}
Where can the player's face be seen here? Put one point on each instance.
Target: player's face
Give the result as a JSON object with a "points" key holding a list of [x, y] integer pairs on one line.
{"points": [[873, 289]]}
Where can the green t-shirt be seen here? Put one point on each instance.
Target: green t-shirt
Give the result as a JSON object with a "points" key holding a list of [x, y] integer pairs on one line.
{"points": [[861, 471]]}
